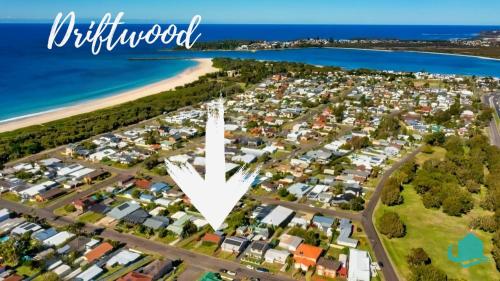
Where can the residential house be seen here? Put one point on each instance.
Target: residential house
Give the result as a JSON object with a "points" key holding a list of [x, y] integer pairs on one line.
{"points": [[290, 242], [345, 230], [306, 256], [124, 209], [156, 222], [279, 216], [327, 267], [178, 224], [123, 258], [125, 181], [299, 189], [90, 274], [135, 276], [98, 252], [212, 238], [234, 244], [276, 256], [157, 269], [323, 223], [257, 249], [50, 194], [359, 265]]}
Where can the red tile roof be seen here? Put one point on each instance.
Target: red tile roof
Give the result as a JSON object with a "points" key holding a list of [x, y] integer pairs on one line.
{"points": [[98, 252], [144, 184], [213, 238], [135, 276], [307, 254]]}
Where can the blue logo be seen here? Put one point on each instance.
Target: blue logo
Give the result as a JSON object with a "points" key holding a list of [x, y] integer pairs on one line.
{"points": [[470, 251]]}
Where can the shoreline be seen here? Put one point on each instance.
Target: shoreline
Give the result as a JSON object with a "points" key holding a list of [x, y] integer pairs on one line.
{"points": [[421, 52], [354, 48], [189, 75]]}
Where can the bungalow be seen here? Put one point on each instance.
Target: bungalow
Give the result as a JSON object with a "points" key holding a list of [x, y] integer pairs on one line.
{"points": [[43, 234], [276, 256], [328, 267], [95, 175], [359, 265], [69, 169], [124, 209], [58, 239], [98, 252], [36, 189], [323, 223], [124, 257], [345, 229], [260, 212], [81, 173], [212, 238], [157, 269], [156, 222], [290, 242], [125, 181], [299, 222], [101, 155], [4, 214], [50, 194], [159, 187], [143, 184], [279, 216], [90, 274], [306, 256], [25, 227], [299, 189], [135, 276], [138, 216], [257, 249], [234, 244], [82, 205], [177, 226]]}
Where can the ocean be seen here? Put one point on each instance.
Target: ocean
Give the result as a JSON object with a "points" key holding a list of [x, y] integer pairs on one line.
{"points": [[35, 79]]}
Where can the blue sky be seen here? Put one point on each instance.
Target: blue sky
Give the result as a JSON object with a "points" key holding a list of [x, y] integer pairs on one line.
{"points": [[466, 12]]}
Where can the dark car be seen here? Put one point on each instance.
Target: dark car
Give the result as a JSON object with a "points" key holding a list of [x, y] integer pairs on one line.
{"points": [[261, 269]]}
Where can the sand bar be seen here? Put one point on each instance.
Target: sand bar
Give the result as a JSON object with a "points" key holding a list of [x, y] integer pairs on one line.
{"points": [[191, 74]]}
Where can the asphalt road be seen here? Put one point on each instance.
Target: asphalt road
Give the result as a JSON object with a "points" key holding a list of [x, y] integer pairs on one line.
{"points": [[197, 260], [493, 100], [367, 221], [309, 209], [365, 217]]}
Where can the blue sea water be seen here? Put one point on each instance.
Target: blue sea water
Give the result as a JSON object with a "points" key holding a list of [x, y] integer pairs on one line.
{"points": [[34, 79]]}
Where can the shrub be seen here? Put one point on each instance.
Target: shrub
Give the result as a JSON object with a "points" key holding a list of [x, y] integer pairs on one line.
{"points": [[391, 196], [484, 223], [391, 225], [427, 273], [418, 256], [69, 208]]}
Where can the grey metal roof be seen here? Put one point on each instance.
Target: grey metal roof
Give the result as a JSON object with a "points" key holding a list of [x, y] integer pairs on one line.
{"points": [[121, 211]]}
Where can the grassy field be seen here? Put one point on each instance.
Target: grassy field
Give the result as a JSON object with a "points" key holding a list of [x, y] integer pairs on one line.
{"points": [[26, 270], [90, 217], [438, 154], [9, 196], [434, 231]]}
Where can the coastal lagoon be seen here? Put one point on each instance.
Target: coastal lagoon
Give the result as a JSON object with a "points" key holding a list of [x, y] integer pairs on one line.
{"points": [[35, 79]]}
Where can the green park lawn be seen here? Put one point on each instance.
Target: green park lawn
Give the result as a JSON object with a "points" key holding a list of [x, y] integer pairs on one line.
{"points": [[9, 196], [90, 217], [434, 231], [438, 154]]}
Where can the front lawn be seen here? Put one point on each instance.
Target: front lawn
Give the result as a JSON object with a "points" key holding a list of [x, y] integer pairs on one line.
{"points": [[434, 231], [90, 217]]}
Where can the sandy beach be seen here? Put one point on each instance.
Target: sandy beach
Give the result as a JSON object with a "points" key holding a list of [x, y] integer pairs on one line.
{"points": [[191, 74]]}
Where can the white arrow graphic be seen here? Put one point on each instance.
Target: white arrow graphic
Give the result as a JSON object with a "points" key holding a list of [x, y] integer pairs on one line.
{"points": [[213, 196]]}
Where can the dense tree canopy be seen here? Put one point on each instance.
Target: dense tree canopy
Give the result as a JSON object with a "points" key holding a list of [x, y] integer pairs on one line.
{"points": [[391, 225]]}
